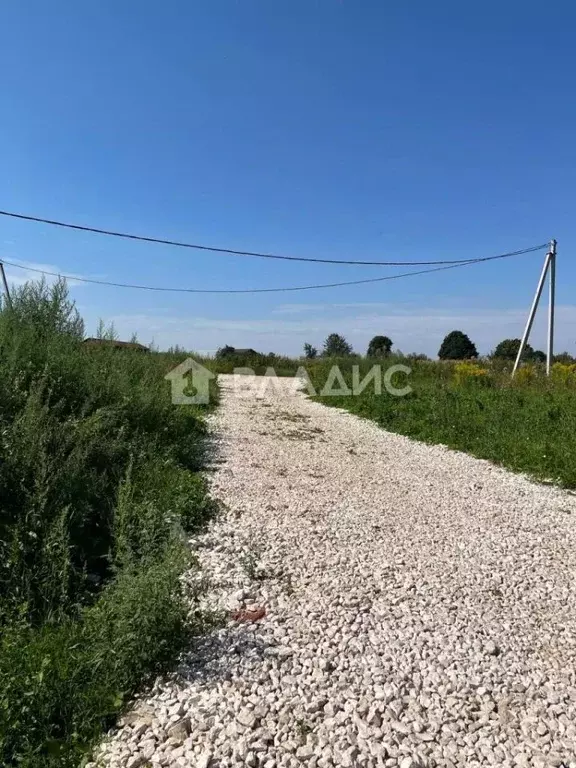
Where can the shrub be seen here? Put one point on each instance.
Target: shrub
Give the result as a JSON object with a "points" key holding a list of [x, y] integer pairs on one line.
{"points": [[563, 373], [564, 357], [98, 488], [62, 684], [468, 373], [527, 374]]}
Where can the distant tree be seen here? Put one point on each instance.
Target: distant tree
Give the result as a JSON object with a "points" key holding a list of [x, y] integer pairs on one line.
{"points": [[457, 346], [336, 346], [379, 346], [177, 350], [564, 357], [539, 356], [417, 356], [508, 350], [107, 332], [310, 352]]}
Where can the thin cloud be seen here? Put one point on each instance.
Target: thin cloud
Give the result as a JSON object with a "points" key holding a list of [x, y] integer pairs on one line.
{"points": [[301, 309], [412, 329]]}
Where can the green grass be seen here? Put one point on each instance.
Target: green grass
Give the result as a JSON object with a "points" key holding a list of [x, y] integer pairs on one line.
{"points": [[259, 364], [527, 427], [99, 487]]}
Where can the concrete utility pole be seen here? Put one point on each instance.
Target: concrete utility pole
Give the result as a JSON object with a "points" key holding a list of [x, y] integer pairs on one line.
{"points": [[5, 282], [549, 263], [551, 307]]}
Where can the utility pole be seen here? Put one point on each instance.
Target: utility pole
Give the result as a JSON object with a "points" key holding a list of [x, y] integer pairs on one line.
{"points": [[549, 263], [551, 307], [6, 289]]}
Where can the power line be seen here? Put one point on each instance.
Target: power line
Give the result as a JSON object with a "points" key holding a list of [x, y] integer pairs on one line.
{"points": [[273, 290], [214, 249]]}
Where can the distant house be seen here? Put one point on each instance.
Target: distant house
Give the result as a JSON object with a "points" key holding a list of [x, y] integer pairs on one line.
{"points": [[228, 351], [115, 344]]}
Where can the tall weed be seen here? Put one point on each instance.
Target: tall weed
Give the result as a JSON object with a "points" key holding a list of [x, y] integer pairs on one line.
{"points": [[99, 485]]}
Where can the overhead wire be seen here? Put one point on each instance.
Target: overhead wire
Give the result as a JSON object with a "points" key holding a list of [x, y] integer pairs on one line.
{"points": [[214, 249], [281, 289]]}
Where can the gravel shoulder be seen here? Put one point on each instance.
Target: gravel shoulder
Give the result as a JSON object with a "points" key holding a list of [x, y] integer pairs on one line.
{"points": [[420, 605]]}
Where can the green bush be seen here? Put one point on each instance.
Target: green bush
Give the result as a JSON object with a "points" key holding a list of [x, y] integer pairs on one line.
{"points": [[99, 485], [62, 683]]}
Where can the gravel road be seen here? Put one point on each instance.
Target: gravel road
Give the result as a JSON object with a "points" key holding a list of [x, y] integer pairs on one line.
{"points": [[420, 605]]}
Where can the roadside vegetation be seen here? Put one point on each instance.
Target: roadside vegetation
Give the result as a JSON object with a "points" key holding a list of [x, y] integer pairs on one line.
{"points": [[99, 486], [462, 400], [526, 424]]}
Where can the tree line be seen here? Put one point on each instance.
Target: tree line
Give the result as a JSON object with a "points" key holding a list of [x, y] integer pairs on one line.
{"points": [[456, 345]]}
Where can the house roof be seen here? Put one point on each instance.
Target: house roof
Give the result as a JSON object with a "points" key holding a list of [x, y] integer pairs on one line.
{"points": [[116, 343]]}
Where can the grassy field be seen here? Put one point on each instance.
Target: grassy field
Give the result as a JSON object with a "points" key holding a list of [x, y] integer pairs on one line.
{"points": [[527, 425], [99, 486]]}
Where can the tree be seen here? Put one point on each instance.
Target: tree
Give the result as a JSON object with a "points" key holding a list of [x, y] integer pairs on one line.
{"points": [[457, 346], [310, 352], [379, 346], [539, 356], [107, 332], [508, 350], [336, 346]]}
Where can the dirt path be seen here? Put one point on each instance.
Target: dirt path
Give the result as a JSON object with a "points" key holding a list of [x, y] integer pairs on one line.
{"points": [[420, 605]]}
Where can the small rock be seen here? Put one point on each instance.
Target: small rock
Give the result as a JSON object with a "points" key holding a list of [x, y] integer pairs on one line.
{"points": [[180, 731], [136, 761], [247, 718], [204, 760], [491, 648]]}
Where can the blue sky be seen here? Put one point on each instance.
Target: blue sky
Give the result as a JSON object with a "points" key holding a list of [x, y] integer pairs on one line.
{"points": [[325, 128]]}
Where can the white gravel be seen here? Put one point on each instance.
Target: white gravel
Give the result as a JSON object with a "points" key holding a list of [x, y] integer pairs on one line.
{"points": [[420, 606]]}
